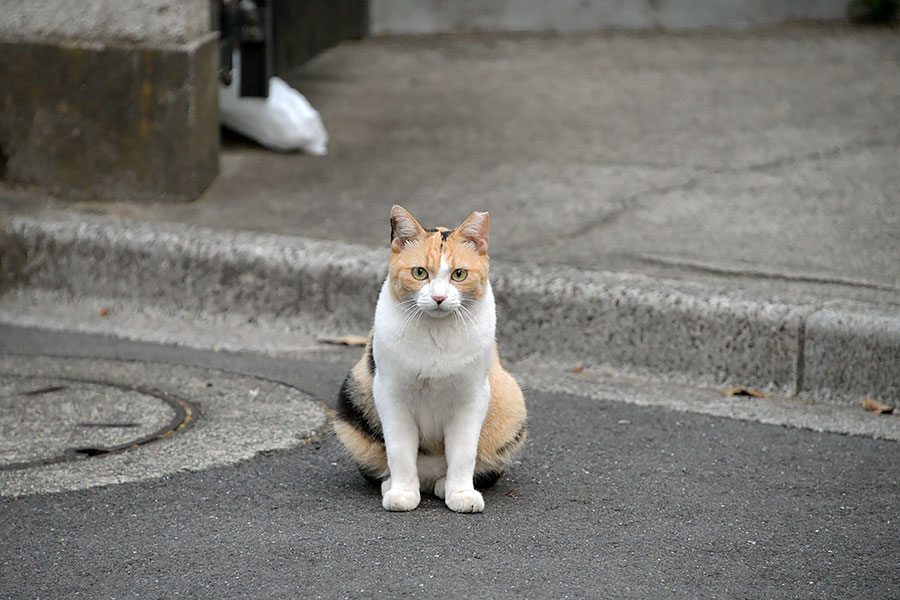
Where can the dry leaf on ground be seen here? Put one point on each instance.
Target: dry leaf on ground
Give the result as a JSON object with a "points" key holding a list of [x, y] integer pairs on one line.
{"points": [[742, 391], [877, 407], [346, 340]]}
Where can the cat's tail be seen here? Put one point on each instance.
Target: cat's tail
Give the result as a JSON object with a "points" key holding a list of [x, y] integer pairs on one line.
{"points": [[369, 455], [357, 426]]}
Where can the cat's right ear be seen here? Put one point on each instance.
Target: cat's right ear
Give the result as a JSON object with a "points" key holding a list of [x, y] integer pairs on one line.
{"points": [[404, 228]]}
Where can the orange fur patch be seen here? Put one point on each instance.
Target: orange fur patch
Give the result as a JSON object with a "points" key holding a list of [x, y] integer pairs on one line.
{"points": [[426, 252]]}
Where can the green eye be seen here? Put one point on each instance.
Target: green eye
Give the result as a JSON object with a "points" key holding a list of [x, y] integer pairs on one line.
{"points": [[419, 273], [459, 274]]}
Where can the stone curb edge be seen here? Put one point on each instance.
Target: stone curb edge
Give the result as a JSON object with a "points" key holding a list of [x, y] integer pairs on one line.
{"points": [[682, 330]]}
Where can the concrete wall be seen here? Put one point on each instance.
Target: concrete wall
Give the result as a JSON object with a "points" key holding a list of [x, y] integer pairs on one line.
{"points": [[432, 16], [109, 99]]}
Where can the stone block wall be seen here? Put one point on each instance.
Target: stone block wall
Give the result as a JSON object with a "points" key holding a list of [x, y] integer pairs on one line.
{"points": [[109, 99]]}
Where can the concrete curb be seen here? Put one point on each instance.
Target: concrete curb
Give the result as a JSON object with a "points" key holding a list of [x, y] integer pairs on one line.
{"points": [[678, 330]]}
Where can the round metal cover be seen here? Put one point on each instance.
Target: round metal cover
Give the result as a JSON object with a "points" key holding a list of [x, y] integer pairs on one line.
{"points": [[45, 420], [73, 423]]}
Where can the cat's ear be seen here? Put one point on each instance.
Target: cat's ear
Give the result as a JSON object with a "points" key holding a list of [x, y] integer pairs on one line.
{"points": [[474, 231], [404, 228]]}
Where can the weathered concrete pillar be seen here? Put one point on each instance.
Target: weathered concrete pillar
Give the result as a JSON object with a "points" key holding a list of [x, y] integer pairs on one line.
{"points": [[109, 99]]}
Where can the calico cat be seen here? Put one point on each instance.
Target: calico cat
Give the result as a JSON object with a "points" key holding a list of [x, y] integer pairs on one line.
{"points": [[428, 407]]}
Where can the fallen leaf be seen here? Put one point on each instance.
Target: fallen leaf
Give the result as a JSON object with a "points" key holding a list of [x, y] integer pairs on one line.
{"points": [[346, 340], [579, 369], [877, 407], [105, 312], [742, 391]]}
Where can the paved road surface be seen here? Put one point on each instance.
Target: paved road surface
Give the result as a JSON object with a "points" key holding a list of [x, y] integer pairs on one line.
{"points": [[608, 500]]}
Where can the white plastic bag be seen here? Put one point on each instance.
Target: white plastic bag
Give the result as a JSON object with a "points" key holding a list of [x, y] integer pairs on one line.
{"points": [[284, 121]]}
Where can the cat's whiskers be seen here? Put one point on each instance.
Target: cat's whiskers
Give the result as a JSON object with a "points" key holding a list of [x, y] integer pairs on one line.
{"points": [[459, 315], [469, 314], [408, 302], [408, 317], [466, 315], [411, 312]]}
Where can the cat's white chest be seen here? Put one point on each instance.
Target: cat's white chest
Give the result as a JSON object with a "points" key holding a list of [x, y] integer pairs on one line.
{"points": [[434, 370]]}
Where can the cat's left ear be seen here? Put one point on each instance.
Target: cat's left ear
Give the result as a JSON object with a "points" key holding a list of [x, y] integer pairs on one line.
{"points": [[474, 231]]}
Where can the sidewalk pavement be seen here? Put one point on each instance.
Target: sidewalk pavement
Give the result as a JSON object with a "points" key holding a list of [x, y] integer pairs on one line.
{"points": [[716, 207]]}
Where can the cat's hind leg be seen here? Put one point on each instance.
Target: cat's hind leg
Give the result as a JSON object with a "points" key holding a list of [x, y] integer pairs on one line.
{"points": [[432, 468], [440, 488]]}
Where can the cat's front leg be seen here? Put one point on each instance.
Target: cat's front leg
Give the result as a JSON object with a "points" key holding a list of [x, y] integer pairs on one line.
{"points": [[461, 448], [400, 492]]}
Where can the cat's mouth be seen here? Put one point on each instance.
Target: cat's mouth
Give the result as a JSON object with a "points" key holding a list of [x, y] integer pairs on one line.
{"points": [[439, 311]]}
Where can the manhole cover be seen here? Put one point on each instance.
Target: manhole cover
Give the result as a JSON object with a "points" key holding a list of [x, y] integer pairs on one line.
{"points": [[72, 423], [50, 420]]}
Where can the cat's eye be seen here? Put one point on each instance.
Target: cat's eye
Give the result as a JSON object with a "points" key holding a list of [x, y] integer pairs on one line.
{"points": [[458, 274], [419, 273]]}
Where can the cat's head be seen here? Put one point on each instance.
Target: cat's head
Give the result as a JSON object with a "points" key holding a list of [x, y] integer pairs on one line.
{"points": [[438, 270]]}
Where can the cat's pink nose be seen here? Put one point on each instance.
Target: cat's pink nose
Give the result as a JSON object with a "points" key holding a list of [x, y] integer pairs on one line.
{"points": [[439, 299]]}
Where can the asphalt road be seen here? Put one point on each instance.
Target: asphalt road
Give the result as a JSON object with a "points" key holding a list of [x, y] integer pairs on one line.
{"points": [[608, 500]]}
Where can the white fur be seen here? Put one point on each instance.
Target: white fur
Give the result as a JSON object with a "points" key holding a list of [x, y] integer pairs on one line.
{"points": [[431, 384]]}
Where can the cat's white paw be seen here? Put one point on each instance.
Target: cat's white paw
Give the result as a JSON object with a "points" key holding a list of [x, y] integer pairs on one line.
{"points": [[439, 490], [467, 501], [400, 500]]}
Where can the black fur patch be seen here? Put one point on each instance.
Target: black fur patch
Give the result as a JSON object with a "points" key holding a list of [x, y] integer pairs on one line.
{"points": [[513, 442], [368, 474], [371, 361], [487, 479], [348, 411], [445, 233]]}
